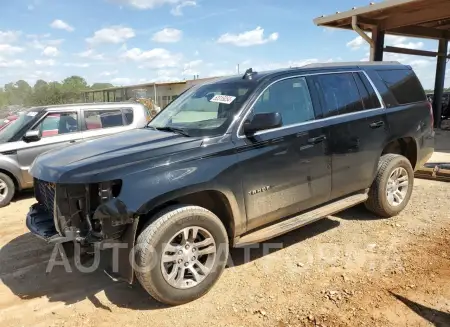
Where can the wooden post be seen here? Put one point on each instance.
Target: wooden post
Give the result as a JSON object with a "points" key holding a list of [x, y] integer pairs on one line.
{"points": [[378, 45], [439, 82]]}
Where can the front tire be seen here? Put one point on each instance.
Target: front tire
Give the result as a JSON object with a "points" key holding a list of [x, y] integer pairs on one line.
{"points": [[392, 188], [7, 189], [181, 253]]}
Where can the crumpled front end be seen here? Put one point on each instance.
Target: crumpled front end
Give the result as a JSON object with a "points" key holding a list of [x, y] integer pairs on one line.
{"points": [[85, 213]]}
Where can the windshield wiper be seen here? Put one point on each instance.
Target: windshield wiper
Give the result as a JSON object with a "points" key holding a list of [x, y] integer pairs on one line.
{"points": [[172, 129]]}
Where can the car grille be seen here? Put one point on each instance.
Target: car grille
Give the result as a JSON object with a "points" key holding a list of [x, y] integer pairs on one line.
{"points": [[45, 194]]}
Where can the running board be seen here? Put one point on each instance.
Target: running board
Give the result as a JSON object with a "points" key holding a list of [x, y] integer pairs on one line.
{"points": [[300, 220]]}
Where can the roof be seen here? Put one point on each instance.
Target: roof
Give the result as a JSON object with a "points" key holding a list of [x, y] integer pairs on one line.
{"points": [[260, 75], [87, 104], [416, 18]]}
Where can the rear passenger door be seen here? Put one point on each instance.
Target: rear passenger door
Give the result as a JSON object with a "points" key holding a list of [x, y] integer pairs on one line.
{"points": [[357, 129], [284, 170], [102, 122]]}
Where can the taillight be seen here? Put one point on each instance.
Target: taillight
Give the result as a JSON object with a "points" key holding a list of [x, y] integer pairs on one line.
{"points": [[431, 115]]}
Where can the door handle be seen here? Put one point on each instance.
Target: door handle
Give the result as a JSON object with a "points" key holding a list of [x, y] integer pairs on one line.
{"points": [[73, 141], [377, 124], [316, 140]]}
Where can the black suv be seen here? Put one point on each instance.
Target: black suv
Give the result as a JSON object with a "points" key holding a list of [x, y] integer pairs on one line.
{"points": [[236, 161]]}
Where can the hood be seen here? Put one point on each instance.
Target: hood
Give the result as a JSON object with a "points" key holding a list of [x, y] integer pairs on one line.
{"points": [[111, 157]]}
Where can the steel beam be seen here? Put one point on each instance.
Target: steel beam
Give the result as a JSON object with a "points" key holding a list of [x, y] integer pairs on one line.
{"points": [[415, 52], [439, 83]]}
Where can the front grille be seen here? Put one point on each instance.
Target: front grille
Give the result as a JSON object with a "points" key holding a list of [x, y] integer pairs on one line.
{"points": [[45, 194]]}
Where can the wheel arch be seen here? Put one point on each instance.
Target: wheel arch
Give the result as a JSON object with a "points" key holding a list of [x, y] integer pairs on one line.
{"points": [[13, 178], [405, 146], [222, 204]]}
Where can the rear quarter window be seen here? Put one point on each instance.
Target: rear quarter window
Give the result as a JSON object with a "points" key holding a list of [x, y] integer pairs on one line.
{"points": [[404, 85]]}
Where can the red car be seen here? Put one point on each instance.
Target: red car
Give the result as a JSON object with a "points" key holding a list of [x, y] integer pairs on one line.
{"points": [[8, 120]]}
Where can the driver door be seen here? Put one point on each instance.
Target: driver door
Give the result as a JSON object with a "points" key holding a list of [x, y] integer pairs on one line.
{"points": [[284, 170], [57, 129]]}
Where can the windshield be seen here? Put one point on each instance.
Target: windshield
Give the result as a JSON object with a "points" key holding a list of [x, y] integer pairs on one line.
{"points": [[9, 131], [205, 110]]}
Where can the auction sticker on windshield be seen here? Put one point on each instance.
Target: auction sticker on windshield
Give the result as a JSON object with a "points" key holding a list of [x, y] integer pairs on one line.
{"points": [[223, 99], [32, 113]]}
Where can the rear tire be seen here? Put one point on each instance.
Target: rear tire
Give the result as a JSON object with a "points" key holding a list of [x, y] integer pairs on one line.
{"points": [[392, 188], [7, 190], [181, 253]]}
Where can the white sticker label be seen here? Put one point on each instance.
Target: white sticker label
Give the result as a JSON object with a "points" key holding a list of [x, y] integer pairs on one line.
{"points": [[32, 113], [223, 99]]}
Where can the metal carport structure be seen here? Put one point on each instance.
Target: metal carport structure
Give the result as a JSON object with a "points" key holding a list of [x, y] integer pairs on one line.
{"points": [[414, 18]]}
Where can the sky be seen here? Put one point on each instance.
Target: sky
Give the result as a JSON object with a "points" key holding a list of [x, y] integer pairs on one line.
{"points": [[127, 42]]}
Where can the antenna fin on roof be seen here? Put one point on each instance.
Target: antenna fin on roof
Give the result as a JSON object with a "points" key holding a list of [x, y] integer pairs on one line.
{"points": [[248, 73]]}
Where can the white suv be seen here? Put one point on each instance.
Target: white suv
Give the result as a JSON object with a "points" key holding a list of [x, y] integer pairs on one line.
{"points": [[41, 129]]}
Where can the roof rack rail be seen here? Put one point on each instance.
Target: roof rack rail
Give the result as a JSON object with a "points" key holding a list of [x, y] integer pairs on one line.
{"points": [[354, 63]]}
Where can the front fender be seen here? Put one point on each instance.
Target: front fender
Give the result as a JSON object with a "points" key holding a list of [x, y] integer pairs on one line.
{"points": [[141, 193]]}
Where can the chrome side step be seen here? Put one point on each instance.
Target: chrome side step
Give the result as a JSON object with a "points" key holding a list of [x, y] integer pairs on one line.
{"points": [[300, 220]]}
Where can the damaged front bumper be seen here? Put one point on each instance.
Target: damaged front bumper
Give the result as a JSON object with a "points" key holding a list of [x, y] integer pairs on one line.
{"points": [[74, 213]]}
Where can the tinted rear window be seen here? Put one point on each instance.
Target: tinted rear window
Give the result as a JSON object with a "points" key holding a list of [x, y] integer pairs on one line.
{"points": [[404, 85], [340, 94]]}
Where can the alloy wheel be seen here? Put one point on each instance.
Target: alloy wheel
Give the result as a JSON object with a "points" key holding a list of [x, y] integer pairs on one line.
{"points": [[397, 186], [188, 258]]}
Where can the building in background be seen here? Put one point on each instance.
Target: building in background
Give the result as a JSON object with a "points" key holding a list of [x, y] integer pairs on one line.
{"points": [[160, 93]]}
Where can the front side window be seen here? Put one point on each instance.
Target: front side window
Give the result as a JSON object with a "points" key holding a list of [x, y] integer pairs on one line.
{"points": [[11, 131], [205, 110], [339, 94], [96, 119], [290, 98], [58, 123]]}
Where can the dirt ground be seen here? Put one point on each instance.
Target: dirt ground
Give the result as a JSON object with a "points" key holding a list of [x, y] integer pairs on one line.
{"points": [[351, 269]]}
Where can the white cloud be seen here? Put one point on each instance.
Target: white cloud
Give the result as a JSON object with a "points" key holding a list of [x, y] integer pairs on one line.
{"points": [[91, 54], [192, 67], [121, 81], [9, 36], [50, 52], [109, 73], [38, 36], [177, 10], [55, 42], [61, 25], [155, 58], [248, 38], [39, 74], [76, 64], [9, 50], [112, 34], [194, 63], [177, 5], [12, 64], [49, 62], [393, 40], [168, 35]]}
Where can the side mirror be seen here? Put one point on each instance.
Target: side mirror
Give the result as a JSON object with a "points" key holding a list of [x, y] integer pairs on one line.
{"points": [[31, 136], [261, 122]]}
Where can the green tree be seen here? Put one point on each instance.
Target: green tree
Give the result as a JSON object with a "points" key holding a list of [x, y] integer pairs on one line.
{"points": [[72, 87], [99, 86]]}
